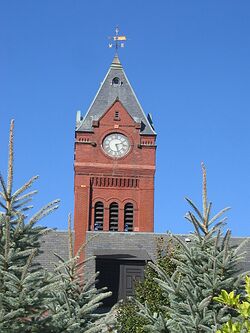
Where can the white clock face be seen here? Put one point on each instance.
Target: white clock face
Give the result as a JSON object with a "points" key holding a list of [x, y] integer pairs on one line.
{"points": [[116, 145]]}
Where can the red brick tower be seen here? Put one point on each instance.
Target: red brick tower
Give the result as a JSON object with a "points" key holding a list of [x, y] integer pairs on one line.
{"points": [[114, 161]]}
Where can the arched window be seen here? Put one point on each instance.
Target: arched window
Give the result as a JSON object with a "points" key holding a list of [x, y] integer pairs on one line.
{"points": [[128, 217], [99, 216], [113, 216]]}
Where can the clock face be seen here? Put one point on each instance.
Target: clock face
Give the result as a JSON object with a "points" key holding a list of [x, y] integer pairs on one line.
{"points": [[116, 145]]}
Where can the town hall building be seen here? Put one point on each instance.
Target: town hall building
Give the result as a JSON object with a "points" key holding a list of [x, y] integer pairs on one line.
{"points": [[114, 161], [114, 170], [114, 165]]}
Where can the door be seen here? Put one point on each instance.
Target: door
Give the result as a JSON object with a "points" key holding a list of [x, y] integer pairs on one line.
{"points": [[129, 275]]}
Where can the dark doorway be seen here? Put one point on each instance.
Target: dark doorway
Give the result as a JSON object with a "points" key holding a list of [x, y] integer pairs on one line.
{"points": [[119, 276], [108, 277]]}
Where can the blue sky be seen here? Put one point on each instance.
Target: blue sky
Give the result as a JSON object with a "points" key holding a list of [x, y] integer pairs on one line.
{"points": [[188, 62]]}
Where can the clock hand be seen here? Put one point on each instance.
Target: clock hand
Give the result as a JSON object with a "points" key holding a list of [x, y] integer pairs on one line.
{"points": [[117, 146]]}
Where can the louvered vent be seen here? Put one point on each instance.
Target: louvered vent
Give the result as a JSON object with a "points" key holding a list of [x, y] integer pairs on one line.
{"points": [[113, 216], [128, 217], [99, 216]]}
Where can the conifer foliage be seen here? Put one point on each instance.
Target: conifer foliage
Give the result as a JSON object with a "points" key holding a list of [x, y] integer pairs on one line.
{"points": [[147, 292], [75, 302], [32, 299], [22, 284], [205, 265]]}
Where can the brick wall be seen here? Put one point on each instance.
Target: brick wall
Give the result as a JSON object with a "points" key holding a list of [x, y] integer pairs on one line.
{"points": [[99, 177]]}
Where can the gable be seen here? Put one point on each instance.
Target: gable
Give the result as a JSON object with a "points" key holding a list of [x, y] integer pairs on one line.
{"points": [[117, 112]]}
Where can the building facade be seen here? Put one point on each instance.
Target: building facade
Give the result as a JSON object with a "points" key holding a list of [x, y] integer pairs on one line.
{"points": [[114, 168]]}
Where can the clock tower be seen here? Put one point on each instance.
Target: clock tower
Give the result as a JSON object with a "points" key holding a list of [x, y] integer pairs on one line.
{"points": [[114, 161]]}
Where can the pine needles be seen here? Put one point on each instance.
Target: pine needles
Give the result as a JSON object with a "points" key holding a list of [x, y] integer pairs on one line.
{"points": [[31, 299]]}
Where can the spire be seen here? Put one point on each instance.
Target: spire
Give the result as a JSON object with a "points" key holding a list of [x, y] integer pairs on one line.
{"points": [[116, 64], [115, 86]]}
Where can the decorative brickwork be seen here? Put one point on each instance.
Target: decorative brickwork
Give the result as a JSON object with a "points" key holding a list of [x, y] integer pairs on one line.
{"points": [[114, 182]]}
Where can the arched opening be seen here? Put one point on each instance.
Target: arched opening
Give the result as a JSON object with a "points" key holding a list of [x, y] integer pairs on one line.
{"points": [[128, 217], [113, 216], [99, 216]]}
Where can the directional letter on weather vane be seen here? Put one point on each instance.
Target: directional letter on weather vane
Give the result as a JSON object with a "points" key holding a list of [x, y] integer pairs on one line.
{"points": [[117, 40]]}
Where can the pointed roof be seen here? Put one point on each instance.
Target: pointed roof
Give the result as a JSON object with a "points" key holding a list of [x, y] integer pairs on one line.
{"points": [[115, 86]]}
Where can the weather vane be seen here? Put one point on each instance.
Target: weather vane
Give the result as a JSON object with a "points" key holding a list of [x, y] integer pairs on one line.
{"points": [[117, 40]]}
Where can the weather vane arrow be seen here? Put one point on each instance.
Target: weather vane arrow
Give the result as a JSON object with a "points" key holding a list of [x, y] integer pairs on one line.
{"points": [[117, 40]]}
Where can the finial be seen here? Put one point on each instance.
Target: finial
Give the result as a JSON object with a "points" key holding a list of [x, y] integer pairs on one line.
{"points": [[118, 41]]}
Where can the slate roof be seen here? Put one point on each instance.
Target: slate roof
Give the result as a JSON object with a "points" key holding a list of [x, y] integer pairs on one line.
{"points": [[53, 242], [57, 242], [106, 96]]}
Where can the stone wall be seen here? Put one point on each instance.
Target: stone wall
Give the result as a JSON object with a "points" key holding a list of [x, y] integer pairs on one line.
{"points": [[129, 245]]}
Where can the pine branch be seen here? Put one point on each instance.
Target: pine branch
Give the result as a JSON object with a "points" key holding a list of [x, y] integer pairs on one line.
{"points": [[10, 161], [195, 224], [7, 238], [4, 195], [221, 212], [3, 206], [25, 196], [44, 211], [195, 208], [208, 212], [204, 196], [20, 204], [84, 244], [24, 209], [27, 185]]}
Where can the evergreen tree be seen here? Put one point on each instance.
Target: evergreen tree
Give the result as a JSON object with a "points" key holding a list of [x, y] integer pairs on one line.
{"points": [[23, 284], [31, 299], [147, 292], [205, 265], [76, 299]]}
